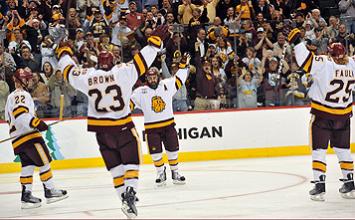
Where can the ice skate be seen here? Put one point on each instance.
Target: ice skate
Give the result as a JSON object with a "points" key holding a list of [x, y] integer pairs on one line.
{"points": [[161, 178], [347, 190], [28, 201], [177, 178], [129, 203], [54, 195], [318, 192]]}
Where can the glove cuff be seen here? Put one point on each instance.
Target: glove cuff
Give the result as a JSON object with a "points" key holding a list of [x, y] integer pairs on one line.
{"points": [[35, 122], [294, 36], [155, 41], [61, 50]]}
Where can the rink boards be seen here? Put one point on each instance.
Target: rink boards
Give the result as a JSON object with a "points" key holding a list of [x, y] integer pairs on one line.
{"points": [[203, 136]]}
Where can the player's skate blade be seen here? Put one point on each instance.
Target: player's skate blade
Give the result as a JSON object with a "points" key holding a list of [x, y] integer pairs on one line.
{"points": [[28, 205], [318, 197], [127, 211], [347, 190]]}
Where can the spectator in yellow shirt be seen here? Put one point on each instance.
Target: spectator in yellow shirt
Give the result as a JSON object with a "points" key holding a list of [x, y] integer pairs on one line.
{"points": [[244, 9]]}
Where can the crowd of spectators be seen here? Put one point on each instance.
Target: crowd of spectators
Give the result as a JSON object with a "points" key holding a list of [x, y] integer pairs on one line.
{"points": [[240, 54]]}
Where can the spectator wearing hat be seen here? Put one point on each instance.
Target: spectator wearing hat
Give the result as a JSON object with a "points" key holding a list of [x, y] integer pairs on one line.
{"points": [[35, 34], [98, 25], [206, 83], [79, 38], [120, 30], [57, 29], [134, 18], [262, 42]]}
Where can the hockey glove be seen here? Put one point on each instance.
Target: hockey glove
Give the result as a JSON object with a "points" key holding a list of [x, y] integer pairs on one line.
{"points": [[38, 124], [185, 61], [294, 36]]}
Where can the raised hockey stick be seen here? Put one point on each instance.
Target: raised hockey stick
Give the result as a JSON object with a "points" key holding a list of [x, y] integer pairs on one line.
{"points": [[61, 110]]}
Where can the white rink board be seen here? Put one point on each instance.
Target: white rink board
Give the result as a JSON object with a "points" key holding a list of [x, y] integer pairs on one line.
{"points": [[235, 130]]}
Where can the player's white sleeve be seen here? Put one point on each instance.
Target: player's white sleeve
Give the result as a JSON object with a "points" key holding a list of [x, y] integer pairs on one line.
{"points": [[72, 73], [140, 64], [180, 78], [308, 61], [135, 101]]}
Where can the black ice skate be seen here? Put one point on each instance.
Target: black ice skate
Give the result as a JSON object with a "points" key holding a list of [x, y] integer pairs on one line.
{"points": [[129, 203], [347, 190], [318, 192], [54, 195], [177, 178], [161, 178], [28, 201]]}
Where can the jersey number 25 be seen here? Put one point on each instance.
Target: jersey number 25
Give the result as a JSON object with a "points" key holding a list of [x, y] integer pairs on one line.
{"points": [[333, 97]]}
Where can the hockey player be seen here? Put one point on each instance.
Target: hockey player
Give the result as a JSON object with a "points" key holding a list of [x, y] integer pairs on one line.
{"points": [[333, 80], [29, 145], [109, 89], [155, 100]]}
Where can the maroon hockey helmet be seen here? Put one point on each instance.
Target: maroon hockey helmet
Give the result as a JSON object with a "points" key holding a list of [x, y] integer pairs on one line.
{"points": [[105, 60], [337, 50], [23, 76]]}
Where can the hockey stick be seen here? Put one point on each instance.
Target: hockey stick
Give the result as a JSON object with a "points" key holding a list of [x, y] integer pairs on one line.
{"points": [[61, 110]]}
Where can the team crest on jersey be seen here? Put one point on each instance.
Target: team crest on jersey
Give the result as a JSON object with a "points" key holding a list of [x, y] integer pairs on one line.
{"points": [[79, 71], [158, 104]]}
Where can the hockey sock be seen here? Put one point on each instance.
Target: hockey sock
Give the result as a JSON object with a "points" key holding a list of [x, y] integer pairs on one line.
{"points": [[158, 161], [131, 175], [46, 176], [319, 163], [173, 159], [26, 178], [118, 179], [345, 161]]}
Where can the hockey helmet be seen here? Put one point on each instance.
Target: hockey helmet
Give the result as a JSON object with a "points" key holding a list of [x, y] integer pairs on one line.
{"points": [[105, 60], [337, 50], [152, 77], [23, 76]]}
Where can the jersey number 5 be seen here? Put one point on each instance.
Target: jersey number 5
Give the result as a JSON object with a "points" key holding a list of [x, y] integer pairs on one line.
{"points": [[332, 97], [108, 90]]}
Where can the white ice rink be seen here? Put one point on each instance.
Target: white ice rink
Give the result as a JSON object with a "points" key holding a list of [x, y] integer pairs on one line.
{"points": [[244, 188]]}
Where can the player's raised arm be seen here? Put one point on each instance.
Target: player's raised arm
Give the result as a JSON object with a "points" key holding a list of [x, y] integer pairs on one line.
{"points": [[146, 56], [183, 72]]}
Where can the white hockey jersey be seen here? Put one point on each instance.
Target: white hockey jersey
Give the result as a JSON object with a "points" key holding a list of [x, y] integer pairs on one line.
{"points": [[157, 104], [21, 117], [331, 91], [109, 92]]}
